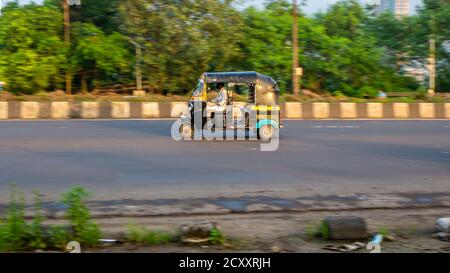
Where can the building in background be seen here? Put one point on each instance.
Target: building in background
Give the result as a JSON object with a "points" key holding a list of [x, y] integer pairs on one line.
{"points": [[398, 7]]}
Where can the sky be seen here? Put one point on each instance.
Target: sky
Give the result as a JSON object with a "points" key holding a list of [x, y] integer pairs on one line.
{"points": [[312, 5]]}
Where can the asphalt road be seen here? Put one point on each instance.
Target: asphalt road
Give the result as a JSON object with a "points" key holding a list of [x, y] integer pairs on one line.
{"points": [[127, 159]]}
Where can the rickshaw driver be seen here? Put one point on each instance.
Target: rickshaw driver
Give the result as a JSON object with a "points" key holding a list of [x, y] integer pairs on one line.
{"points": [[222, 97], [219, 104]]}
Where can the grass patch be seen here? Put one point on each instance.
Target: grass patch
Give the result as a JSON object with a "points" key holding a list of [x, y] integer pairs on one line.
{"points": [[216, 237], [140, 235], [317, 230], [384, 231]]}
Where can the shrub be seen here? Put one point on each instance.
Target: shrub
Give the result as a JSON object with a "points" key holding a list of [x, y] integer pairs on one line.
{"points": [[58, 237], [35, 230], [14, 230], [85, 230]]}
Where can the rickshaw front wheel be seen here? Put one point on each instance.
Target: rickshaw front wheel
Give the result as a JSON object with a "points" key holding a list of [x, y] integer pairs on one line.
{"points": [[266, 132], [186, 131]]}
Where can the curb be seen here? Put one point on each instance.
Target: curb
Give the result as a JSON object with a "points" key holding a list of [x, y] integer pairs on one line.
{"points": [[289, 110]]}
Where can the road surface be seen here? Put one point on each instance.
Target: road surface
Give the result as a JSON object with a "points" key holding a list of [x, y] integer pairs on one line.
{"points": [[139, 159]]}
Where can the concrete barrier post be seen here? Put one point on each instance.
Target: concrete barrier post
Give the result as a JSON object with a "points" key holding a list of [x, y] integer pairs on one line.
{"points": [[374, 110], [321, 110], [60, 110], [120, 110], [447, 110], [178, 107], [293, 110], [29, 110], [427, 110], [90, 110], [401, 110], [3, 110], [348, 110], [150, 110]]}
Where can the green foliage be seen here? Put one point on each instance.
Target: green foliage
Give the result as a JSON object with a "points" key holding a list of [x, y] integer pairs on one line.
{"points": [[346, 48], [216, 237], [15, 233], [85, 230], [384, 231], [32, 52], [36, 233], [58, 237], [141, 235], [182, 39], [319, 230], [14, 230], [98, 55], [324, 230]]}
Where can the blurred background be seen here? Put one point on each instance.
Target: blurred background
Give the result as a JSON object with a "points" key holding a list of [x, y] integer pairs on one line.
{"points": [[349, 47]]}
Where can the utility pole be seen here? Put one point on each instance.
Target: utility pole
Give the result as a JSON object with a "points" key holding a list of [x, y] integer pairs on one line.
{"points": [[432, 88], [66, 9], [432, 62], [295, 87], [138, 67], [138, 91]]}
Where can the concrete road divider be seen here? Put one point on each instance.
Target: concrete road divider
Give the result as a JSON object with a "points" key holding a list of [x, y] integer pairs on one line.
{"points": [[348, 110], [3, 110], [427, 111], [178, 108], [150, 110], [447, 110], [90, 110], [374, 110], [290, 110], [60, 110], [293, 110], [120, 110], [401, 110], [29, 110], [321, 110]]}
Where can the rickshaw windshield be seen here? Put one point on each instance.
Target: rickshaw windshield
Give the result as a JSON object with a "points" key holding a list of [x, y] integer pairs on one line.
{"points": [[199, 89]]}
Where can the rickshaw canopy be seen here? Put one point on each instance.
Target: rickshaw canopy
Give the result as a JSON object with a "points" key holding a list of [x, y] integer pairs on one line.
{"points": [[266, 89]]}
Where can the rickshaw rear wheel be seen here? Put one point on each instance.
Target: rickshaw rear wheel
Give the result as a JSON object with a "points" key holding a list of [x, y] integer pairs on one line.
{"points": [[265, 133], [186, 131]]}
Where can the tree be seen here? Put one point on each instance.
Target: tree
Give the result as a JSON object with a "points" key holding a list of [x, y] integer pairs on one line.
{"points": [[98, 56], [267, 45], [433, 20], [32, 53], [182, 39]]}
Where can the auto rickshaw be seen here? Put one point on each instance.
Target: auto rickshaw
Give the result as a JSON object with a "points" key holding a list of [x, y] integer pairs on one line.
{"points": [[260, 114]]}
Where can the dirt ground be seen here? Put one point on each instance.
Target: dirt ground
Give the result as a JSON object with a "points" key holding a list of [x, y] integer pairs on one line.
{"points": [[411, 231]]}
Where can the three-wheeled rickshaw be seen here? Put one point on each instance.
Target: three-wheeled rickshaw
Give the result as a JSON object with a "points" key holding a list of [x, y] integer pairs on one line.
{"points": [[260, 114]]}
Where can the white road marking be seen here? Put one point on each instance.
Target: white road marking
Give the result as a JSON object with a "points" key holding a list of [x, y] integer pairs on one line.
{"points": [[336, 127]]}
